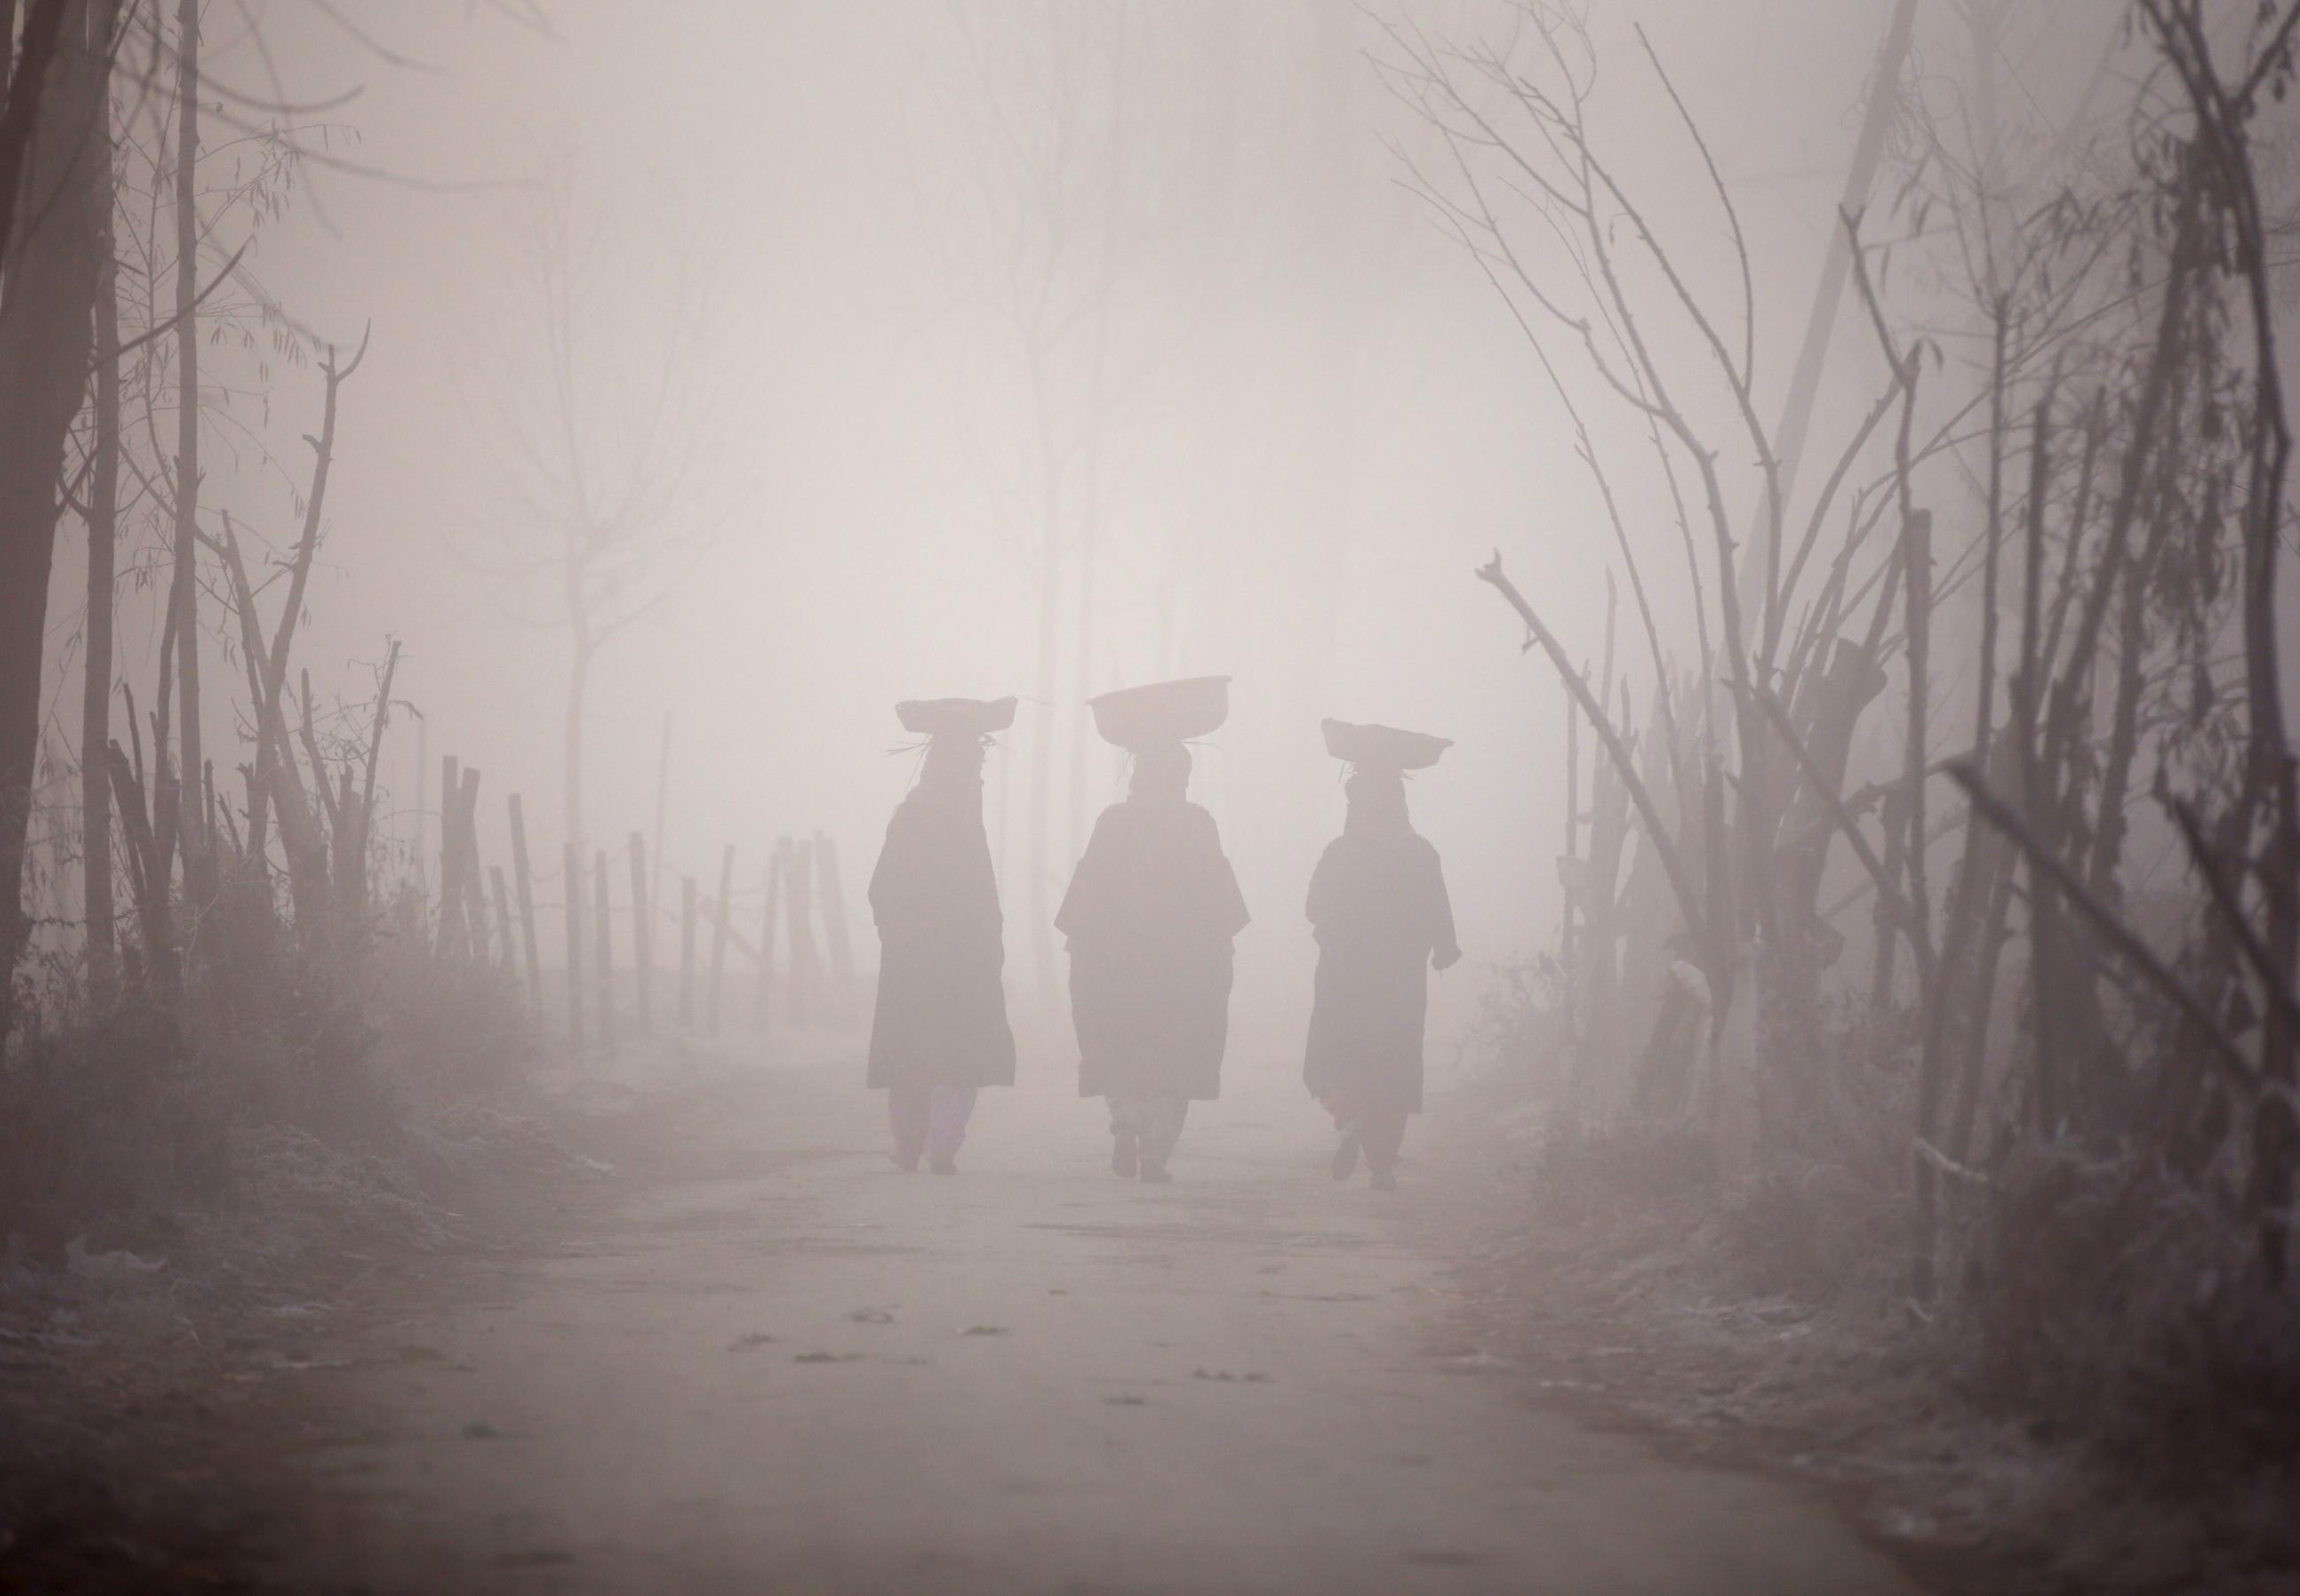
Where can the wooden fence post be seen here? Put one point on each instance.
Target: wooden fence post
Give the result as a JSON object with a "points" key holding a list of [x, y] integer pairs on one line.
{"points": [[525, 877], [467, 850], [603, 957], [719, 938], [687, 953], [760, 1015], [449, 936], [642, 936], [508, 941], [573, 866]]}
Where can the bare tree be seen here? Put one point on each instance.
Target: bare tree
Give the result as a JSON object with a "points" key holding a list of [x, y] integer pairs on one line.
{"points": [[596, 406], [48, 284]]}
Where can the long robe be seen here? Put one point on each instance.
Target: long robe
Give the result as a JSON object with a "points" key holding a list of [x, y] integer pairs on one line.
{"points": [[1150, 914], [1378, 908], [941, 1014]]}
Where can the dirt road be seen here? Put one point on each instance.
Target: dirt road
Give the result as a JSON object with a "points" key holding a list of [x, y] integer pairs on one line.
{"points": [[786, 1366]]}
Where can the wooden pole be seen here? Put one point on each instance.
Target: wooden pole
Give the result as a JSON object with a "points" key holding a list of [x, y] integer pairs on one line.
{"points": [[525, 876], [762, 1011], [422, 833], [687, 953], [451, 899], [642, 936], [510, 960], [467, 852], [602, 956], [1573, 839], [719, 938], [661, 800], [573, 866]]}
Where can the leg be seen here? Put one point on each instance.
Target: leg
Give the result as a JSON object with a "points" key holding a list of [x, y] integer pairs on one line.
{"points": [[1383, 1130], [949, 1109], [1345, 1124], [907, 1116], [1125, 1136], [1161, 1128]]}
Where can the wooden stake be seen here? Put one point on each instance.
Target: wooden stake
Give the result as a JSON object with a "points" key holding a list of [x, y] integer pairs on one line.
{"points": [[719, 938], [526, 880], [602, 956], [573, 881], [467, 863], [449, 935], [687, 953], [661, 800], [508, 962], [762, 1012], [642, 935]]}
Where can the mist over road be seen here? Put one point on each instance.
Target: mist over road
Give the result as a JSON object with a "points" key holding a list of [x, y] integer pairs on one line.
{"points": [[775, 1363]]}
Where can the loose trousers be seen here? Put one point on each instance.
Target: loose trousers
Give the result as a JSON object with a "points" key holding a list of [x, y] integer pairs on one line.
{"points": [[1156, 1124], [929, 1119]]}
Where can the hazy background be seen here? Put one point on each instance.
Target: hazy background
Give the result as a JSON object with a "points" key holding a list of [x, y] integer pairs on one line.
{"points": [[1322, 417]]}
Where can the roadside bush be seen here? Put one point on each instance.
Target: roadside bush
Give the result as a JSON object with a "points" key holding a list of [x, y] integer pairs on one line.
{"points": [[113, 1124], [2117, 1300]]}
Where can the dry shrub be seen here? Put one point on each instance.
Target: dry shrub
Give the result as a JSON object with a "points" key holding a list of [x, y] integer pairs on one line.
{"points": [[1633, 1169], [1816, 1230], [2131, 1310], [109, 1125], [282, 1077], [1522, 1028]]}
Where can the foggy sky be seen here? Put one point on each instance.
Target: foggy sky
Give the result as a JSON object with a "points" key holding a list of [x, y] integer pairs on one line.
{"points": [[862, 554]]}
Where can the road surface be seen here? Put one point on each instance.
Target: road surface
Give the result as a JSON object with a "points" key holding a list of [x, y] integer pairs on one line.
{"points": [[774, 1363]]}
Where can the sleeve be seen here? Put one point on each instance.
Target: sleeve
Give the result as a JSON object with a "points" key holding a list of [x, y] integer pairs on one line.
{"points": [[1443, 941], [1226, 904], [1325, 887], [1085, 904], [890, 878]]}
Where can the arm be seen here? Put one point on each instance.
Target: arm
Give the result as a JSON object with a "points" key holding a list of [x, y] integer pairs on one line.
{"points": [[1323, 888], [1225, 903], [888, 877], [1445, 949], [1083, 905]]}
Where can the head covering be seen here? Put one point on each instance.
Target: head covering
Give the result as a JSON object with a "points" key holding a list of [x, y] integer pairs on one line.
{"points": [[1163, 712], [1161, 772], [1370, 746], [955, 717]]}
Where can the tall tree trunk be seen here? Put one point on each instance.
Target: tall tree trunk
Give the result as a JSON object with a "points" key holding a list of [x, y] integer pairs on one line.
{"points": [[47, 337], [191, 757], [102, 528]]}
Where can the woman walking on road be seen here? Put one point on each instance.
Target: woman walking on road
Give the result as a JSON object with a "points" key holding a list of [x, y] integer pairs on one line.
{"points": [[939, 1031], [1150, 916], [1379, 909]]}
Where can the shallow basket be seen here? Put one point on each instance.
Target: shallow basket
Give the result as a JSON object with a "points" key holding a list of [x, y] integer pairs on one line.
{"points": [[955, 717], [1162, 712], [1383, 747]]}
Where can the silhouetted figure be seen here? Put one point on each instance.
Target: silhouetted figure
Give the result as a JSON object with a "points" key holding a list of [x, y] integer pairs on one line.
{"points": [[1150, 916], [1379, 909], [939, 1030]]}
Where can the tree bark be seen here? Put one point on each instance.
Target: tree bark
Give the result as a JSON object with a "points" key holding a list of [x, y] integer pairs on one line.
{"points": [[103, 531], [47, 338], [198, 873]]}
